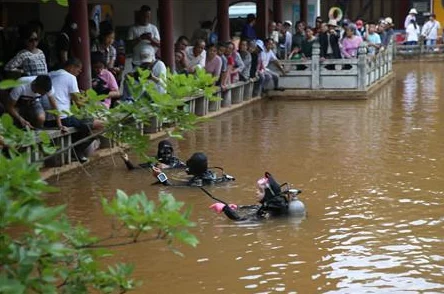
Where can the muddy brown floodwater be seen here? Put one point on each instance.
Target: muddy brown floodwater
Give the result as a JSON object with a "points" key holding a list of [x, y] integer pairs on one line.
{"points": [[372, 174]]}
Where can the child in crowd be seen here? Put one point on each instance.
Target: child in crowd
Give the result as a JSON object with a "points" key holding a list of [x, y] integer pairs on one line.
{"points": [[104, 82], [295, 53]]}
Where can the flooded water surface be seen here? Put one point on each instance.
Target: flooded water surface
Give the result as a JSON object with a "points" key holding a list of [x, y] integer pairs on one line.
{"points": [[372, 175]]}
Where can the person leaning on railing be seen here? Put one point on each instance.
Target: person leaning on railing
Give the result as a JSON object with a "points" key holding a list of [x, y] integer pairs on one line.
{"points": [[235, 60], [103, 82], [307, 43], [373, 39], [430, 31], [24, 103], [246, 59], [196, 56], [213, 64], [329, 42], [66, 92], [350, 43], [268, 57]]}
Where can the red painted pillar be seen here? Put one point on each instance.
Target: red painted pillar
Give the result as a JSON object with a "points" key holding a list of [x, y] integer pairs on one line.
{"points": [[403, 11], [277, 10], [166, 32], [304, 10], [262, 18], [80, 40], [223, 20]]}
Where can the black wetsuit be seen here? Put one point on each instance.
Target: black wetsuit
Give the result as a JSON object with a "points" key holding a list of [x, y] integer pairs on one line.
{"points": [[273, 204], [275, 207], [207, 178], [172, 162]]}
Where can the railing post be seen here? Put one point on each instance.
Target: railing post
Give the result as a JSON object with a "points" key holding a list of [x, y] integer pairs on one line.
{"points": [[201, 106], [362, 67], [315, 66], [226, 96], [394, 49], [391, 56], [422, 48], [378, 66]]}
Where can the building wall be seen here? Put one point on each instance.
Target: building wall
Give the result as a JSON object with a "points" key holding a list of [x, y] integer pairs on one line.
{"points": [[187, 14], [288, 10]]}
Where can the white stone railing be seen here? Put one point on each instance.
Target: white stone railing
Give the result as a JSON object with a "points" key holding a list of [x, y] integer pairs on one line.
{"points": [[421, 50], [337, 74], [199, 105]]}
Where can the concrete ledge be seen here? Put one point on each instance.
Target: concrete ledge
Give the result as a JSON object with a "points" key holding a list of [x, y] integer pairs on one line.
{"points": [[50, 172], [325, 94]]}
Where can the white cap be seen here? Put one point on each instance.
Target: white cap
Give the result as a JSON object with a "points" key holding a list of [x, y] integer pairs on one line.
{"points": [[288, 22], [147, 54], [332, 22], [413, 11], [260, 44], [389, 20]]}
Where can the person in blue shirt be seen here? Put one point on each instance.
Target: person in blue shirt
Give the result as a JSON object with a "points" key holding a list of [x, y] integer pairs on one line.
{"points": [[373, 39], [248, 32]]}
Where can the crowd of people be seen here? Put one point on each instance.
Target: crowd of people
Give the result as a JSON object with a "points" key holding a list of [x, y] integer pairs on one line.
{"points": [[50, 77]]}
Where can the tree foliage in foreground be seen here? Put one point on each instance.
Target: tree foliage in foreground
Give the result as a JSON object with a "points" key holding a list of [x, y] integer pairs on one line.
{"points": [[41, 250]]}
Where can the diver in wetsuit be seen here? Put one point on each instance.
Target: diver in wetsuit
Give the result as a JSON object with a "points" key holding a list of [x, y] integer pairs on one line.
{"points": [[165, 157], [273, 203], [197, 166]]}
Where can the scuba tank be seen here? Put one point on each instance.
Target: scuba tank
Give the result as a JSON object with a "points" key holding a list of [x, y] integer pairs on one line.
{"points": [[296, 207]]}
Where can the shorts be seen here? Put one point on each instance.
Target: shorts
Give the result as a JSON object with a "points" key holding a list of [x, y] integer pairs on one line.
{"points": [[83, 125], [31, 110]]}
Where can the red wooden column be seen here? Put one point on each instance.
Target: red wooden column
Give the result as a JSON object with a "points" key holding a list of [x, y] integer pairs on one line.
{"points": [[262, 18], [166, 32], [304, 10], [80, 40], [277, 10], [223, 20]]}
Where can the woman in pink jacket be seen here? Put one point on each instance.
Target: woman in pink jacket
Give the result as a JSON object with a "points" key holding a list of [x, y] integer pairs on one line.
{"points": [[350, 43]]}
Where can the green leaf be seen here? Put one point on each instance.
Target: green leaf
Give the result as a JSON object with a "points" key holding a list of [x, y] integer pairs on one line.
{"points": [[9, 84], [63, 3], [44, 137], [187, 238], [10, 286], [45, 214]]}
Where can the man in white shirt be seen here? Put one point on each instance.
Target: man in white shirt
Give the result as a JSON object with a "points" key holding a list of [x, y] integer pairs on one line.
{"points": [[24, 102], [158, 72], [156, 66], [430, 31], [196, 56], [144, 30], [288, 37], [267, 56], [66, 90]]}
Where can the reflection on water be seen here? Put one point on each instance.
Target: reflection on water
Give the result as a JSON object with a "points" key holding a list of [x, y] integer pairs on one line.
{"points": [[372, 175]]}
